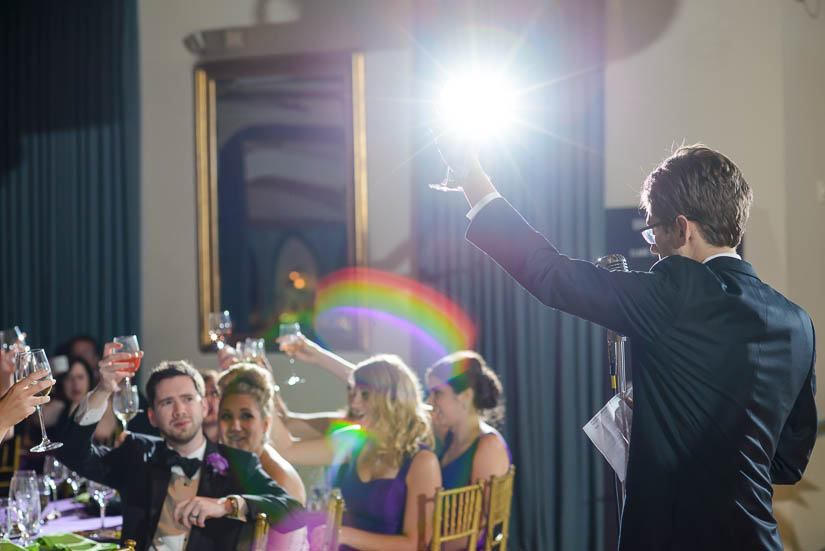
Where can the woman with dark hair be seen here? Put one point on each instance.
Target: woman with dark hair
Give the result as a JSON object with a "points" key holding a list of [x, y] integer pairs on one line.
{"points": [[466, 396], [69, 390]]}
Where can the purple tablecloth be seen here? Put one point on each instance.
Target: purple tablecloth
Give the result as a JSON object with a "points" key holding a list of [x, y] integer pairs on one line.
{"points": [[74, 519]]}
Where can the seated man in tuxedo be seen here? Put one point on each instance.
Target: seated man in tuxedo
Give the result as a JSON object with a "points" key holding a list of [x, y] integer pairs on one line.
{"points": [[182, 491]]}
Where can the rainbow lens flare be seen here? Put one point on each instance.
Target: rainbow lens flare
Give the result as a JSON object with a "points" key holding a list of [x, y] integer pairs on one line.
{"points": [[356, 301]]}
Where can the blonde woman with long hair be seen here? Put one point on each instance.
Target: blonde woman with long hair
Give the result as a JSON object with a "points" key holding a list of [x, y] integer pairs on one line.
{"points": [[385, 467]]}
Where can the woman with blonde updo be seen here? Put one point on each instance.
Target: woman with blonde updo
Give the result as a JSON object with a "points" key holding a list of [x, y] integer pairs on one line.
{"points": [[245, 418], [386, 472]]}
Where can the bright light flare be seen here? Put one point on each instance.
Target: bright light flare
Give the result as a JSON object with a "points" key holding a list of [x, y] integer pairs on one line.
{"points": [[477, 106]]}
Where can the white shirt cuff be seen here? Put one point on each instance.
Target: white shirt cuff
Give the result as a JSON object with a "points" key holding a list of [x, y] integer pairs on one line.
{"points": [[243, 508], [85, 416], [483, 203]]}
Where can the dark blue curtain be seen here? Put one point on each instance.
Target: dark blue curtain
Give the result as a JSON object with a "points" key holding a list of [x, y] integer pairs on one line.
{"points": [[552, 365], [69, 176]]}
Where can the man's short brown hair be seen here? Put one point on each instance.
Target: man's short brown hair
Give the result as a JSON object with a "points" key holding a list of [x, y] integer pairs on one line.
{"points": [[169, 369], [704, 186]]}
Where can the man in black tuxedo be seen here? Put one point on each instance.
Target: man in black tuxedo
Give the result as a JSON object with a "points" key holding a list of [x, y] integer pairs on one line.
{"points": [[723, 365], [182, 491]]}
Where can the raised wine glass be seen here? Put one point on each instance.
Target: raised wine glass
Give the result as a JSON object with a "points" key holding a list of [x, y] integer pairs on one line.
{"points": [[27, 363], [125, 404], [10, 337], [251, 349], [220, 327], [289, 333], [129, 345]]}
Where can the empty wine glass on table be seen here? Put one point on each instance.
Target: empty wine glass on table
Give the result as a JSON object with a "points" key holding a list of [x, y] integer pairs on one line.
{"points": [[220, 328], [26, 363], [45, 487], [101, 494], [55, 471], [289, 333], [125, 404], [129, 345], [24, 504]]}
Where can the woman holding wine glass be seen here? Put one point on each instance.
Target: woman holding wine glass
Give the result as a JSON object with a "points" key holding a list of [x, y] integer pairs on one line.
{"points": [[70, 389], [22, 398]]}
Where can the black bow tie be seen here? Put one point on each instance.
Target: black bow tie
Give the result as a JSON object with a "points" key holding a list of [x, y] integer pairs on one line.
{"points": [[189, 466]]}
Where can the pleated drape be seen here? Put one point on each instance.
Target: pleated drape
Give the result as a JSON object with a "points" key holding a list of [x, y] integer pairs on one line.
{"points": [[69, 169], [552, 365]]}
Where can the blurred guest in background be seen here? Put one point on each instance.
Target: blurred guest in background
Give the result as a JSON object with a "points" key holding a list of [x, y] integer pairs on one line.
{"points": [[69, 390], [213, 402], [86, 347]]}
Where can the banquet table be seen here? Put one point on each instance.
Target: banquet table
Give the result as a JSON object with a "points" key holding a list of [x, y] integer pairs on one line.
{"points": [[73, 518]]}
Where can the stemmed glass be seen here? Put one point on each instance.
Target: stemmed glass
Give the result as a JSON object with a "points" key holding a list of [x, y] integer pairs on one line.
{"points": [[10, 337], [45, 487], [5, 521], [101, 494], [289, 333], [27, 363], [251, 349], [220, 327], [71, 478], [125, 404], [129, 345], [53, 470], [24, 504]]}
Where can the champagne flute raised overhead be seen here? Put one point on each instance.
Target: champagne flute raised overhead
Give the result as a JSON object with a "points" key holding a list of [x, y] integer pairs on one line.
{"points": [[289, 333]]}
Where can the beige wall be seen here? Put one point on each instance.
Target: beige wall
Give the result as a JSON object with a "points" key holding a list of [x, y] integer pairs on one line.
{"points": [[746, 77], [168, 261]]}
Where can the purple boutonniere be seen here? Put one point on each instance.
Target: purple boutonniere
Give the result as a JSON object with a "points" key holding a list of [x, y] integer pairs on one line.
{"points": [[218, 463]]}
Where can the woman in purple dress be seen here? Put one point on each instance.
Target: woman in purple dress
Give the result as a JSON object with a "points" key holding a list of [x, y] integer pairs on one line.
{"points": [[465, 395], [385, 469]]}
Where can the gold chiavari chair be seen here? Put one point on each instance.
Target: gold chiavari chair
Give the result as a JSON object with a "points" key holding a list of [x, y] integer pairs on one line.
{"points": [[335, 514], [261, 537], [130, 546], [10, 459], [457, 515], [498, 512]]}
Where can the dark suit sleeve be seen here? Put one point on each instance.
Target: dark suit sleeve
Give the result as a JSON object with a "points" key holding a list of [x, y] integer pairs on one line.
{"points": [[632, 303], [98, 463], [796, 442], [264, 495]]}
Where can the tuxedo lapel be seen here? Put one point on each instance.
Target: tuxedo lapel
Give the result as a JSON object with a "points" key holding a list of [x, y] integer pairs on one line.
{"points": [[159, 476], [211, 483]]}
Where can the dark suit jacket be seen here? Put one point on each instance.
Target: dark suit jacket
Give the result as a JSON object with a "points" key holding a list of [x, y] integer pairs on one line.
{"points": [[723, 384], [137, 469]]}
